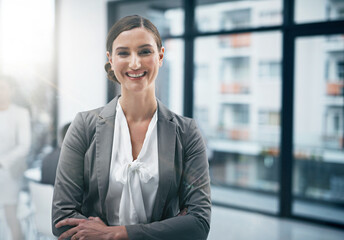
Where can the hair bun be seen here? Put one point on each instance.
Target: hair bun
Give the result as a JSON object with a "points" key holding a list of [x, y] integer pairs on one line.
{"points": [[110, 74]]}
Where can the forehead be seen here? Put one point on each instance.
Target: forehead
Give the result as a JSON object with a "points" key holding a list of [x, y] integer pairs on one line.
{"points": [[133, 38]]}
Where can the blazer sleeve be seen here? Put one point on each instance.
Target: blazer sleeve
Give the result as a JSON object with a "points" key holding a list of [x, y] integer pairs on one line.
{"points": [[69, 183], [194, 195]]}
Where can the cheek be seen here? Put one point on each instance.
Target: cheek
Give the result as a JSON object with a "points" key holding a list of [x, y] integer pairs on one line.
{"points": [[118, 64], [152, 62]]}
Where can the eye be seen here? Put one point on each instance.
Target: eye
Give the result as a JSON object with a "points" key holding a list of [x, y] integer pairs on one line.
{"points": [[123, 53], [145, 52]]}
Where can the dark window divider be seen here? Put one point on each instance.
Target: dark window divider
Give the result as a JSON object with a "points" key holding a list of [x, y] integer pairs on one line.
{"points": [[189, 9]]}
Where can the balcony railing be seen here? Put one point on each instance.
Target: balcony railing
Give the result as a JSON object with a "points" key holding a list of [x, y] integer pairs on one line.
{"points": [[335, 88], [333, 141], [238, 134], [234, 88], [236, 40], [240, 40]]}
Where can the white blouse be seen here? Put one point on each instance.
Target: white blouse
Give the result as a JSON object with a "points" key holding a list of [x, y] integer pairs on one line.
{"points": [[132, 184]]}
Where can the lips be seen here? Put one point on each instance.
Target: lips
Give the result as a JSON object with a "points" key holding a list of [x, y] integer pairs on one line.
{"points": [[136, 75]]}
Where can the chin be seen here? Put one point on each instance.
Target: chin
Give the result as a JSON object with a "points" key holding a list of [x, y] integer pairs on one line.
{"points": [[136, 87], [140, 87]]}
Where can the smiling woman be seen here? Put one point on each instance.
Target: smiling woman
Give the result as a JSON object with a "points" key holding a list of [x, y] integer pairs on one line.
{"points": [[132, 169]]}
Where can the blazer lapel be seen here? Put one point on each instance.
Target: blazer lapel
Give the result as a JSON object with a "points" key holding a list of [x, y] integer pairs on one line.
{"points": [[166, 152], [104, 141]]}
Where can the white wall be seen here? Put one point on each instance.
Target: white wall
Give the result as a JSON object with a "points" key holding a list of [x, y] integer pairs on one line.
{"points": [[81, 57]]}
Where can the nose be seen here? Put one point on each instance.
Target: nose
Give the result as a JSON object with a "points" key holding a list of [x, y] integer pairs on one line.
{"points": [[135, 62]]}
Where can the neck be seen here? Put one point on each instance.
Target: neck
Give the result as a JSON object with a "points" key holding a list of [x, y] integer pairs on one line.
{"points": [[138, 106]]}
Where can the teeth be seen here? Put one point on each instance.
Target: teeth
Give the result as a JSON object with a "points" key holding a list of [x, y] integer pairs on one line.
{"points": [[136, 75]]}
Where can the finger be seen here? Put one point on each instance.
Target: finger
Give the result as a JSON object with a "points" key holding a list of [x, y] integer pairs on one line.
{"points": [[68, 233], [69, 222], [98, 219], [183, 212], [75, 237]]}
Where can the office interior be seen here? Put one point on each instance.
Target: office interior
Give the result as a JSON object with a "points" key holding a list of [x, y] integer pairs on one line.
{"points": [[263, 79]]}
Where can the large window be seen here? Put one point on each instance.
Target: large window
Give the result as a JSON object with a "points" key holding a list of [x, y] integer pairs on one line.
{"points": [[264, 80], [237, 108], [318, 186]]}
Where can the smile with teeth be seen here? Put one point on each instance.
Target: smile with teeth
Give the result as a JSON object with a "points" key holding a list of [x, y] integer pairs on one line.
{"points": [[138, 75]]}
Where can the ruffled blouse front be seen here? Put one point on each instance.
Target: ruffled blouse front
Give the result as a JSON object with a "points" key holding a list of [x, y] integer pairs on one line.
{"points": [[132, 184]]}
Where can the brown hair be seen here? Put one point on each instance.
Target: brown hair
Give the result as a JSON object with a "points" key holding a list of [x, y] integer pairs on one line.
{"points": [[126, 24]]}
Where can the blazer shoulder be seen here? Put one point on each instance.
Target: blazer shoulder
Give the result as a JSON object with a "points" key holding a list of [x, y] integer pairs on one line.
{"points": [[182, 122], [90, 117], [186, 126], [187, 130], [85, 124]]}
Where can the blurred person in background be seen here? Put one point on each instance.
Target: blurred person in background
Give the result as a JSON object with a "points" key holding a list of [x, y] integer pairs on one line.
{"points": [[50, 161], [132, 169], [15, 135]]}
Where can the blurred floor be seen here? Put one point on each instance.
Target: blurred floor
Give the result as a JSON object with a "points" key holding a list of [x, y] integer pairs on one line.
{"points": [[269, 203], [228, 224], [26, 216]]}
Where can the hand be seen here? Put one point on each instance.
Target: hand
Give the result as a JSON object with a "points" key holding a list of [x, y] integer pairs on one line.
{"points": [[183, 212], [91, 228]]}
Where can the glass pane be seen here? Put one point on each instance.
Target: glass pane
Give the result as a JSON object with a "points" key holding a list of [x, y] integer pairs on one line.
{"points": [[227, 15], [318, 185], [237, 107], [167, 16], [169, 83], [318, 10]]}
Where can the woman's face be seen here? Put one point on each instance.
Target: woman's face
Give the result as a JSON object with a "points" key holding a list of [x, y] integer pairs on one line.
{"points": [[135, 60]]}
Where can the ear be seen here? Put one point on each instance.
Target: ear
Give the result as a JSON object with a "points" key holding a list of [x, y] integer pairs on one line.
{"points": [[109, 57], [161, 56]]}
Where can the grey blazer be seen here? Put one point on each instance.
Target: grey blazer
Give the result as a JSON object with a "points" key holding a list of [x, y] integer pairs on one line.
{"points": [[82, 178]]}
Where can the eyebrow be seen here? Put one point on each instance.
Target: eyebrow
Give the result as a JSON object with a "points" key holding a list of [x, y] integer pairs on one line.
{"points": [[142, 46], [145, 45]]}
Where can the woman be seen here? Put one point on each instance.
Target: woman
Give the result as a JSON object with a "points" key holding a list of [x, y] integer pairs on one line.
{"points": [[15, 135], [132, 169]]}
